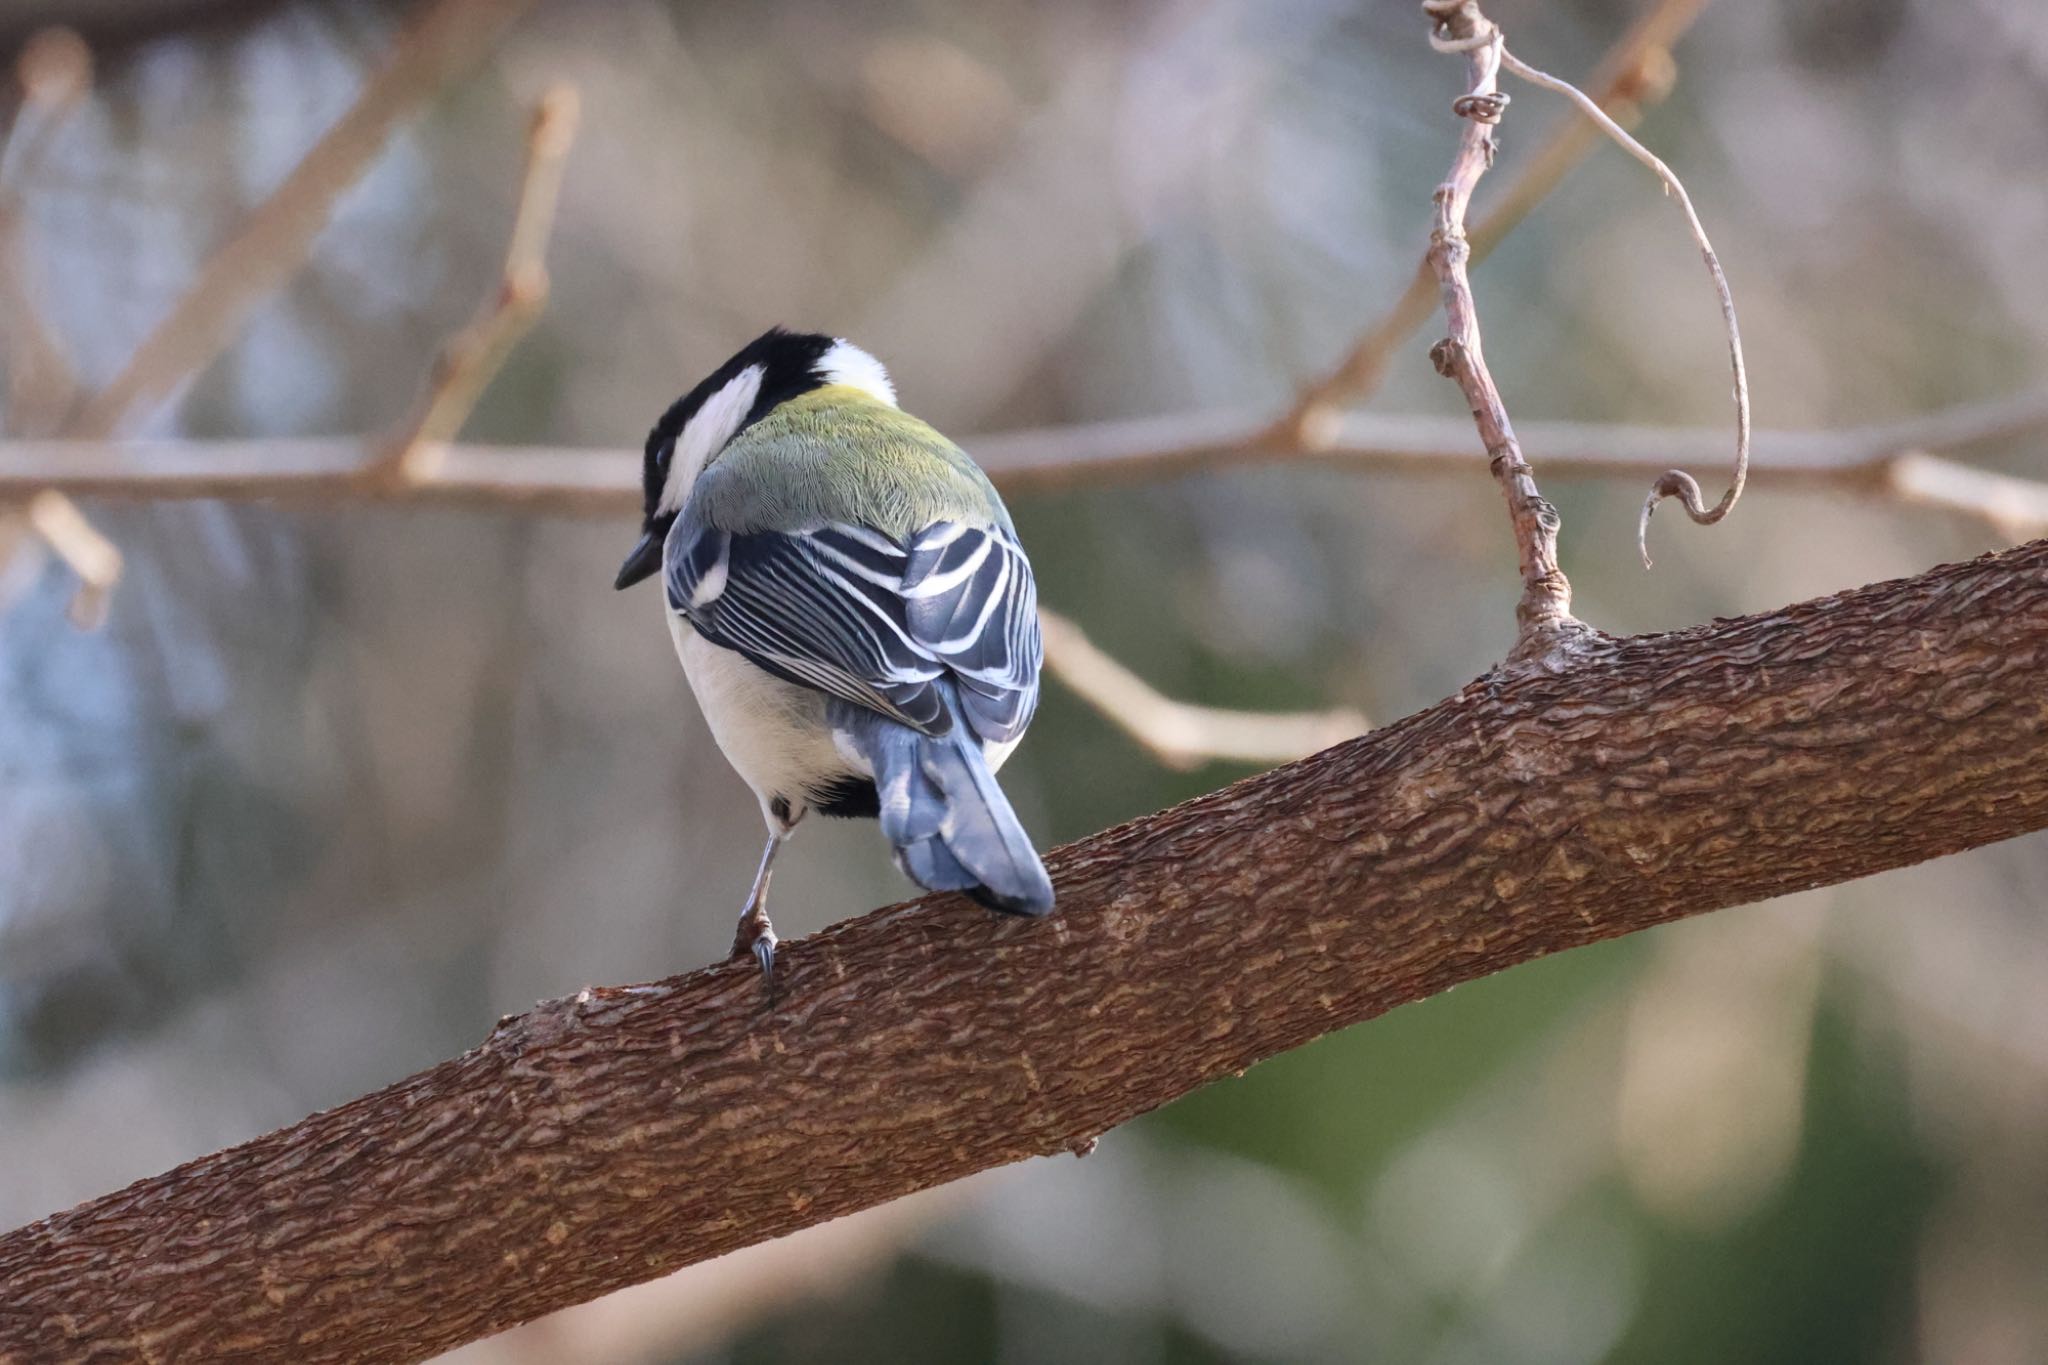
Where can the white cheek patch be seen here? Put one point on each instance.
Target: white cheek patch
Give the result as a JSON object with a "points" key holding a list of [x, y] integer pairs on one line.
{"points": [[848, 364], [706, 433]]}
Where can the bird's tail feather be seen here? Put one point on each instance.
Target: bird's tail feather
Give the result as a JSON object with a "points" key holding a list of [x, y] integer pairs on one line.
{"points": [[941, 810]]}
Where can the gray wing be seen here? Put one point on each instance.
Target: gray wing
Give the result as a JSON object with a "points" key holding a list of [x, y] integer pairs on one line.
{"points": [[850, 612]]}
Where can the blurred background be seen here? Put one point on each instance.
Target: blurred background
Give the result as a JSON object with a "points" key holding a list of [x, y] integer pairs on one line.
{"points": [[335, 786]]}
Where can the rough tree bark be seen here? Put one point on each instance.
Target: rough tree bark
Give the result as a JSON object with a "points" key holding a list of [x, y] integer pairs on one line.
{"points": [[609, 1138]]}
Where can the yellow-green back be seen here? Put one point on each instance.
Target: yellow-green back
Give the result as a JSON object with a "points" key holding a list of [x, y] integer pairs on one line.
{"points": [[838, 454]]}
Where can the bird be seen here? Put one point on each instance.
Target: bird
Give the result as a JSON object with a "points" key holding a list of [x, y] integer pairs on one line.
{"points": [[854, 612]]}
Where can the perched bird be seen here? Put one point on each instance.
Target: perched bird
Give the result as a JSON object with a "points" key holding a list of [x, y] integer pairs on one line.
{"points": [[853, 612]]}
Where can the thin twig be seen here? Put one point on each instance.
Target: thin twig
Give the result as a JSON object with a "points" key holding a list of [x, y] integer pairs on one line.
{"points": [[446, 39], [90, 555], [1673, 482], [473, 356], [54, 74], [1178, 734], [1636, 72], [2016, 508], [22, 556], [41, 382], [599, 481], [1548, 630]]}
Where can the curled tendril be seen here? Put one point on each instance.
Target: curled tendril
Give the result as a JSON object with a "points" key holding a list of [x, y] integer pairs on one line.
{"points": [[1676, 483], [1486, 108]]}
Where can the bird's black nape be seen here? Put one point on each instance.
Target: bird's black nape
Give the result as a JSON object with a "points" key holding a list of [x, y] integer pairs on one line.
{"points": [[788, 362]]}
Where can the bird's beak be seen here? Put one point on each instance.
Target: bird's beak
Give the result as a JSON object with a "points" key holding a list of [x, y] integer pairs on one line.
{"points": [[644, 560]]}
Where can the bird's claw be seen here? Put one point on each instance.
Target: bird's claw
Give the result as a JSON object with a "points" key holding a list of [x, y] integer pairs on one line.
{"points": [[757, 936]]}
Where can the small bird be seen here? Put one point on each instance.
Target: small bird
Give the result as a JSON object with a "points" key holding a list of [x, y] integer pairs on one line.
{"points": [[853, 611]]}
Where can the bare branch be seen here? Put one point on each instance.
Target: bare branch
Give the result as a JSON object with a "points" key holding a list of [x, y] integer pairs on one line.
{"points": [[2017, 508], [1675, 482], [88, 554], [1130, 450], [1637, 71], [444, 40], [22, 554], [473, 356], [1549, 631], [571, 480], [1176, 733], [1884, 461], [54, 73], [41, 383], [606, 1139]]}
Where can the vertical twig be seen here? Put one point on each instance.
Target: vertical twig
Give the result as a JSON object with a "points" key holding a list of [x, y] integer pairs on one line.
{"points": [[54, 74], [1548, 629], [473, 356]]}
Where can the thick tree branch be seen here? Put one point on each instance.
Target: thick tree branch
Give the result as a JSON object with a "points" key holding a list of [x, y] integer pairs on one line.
{"points": [[606, 1139]]}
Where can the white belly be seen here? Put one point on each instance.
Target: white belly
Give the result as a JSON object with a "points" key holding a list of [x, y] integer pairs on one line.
{"points": [[772, 732]]}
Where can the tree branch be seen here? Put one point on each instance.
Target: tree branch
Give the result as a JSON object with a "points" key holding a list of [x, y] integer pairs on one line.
{"points": [[60, 525], [603, 1140], [53, 73], [473, 356], [52, 76], [1178, 734], [594, 480], [1548, 628]]}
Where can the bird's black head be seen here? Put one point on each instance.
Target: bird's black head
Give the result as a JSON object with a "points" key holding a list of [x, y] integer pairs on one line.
{"points": [[773, 368]]}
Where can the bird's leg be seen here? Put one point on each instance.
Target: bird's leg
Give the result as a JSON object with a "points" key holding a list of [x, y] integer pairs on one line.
{"points": [[755, 934]]}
